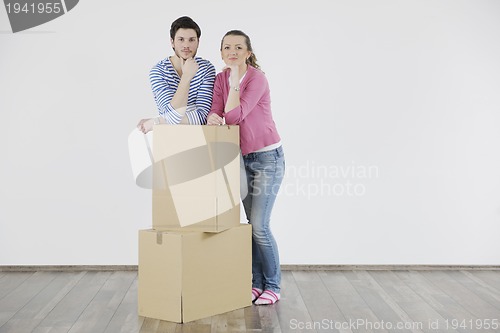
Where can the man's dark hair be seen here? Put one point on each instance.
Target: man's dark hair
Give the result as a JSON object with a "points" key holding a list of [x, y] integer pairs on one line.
{"points": [[184, 22]]}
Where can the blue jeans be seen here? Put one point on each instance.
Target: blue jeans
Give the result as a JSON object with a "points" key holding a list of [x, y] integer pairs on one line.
{"points": [[265, 172]]}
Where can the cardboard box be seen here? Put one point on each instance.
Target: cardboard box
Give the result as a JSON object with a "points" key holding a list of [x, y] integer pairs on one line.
{"points": [[196, 177], [189, 275]]}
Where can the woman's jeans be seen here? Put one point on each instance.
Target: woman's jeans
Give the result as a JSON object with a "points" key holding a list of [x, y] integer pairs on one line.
{"points": [[264, 172]]}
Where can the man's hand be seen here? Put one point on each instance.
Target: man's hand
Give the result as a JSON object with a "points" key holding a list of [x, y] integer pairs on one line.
{"points": [[145, 125], [189, 67]]}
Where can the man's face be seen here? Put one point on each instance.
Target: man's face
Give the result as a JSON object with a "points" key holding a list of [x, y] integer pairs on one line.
{"points": [[185, 43]]}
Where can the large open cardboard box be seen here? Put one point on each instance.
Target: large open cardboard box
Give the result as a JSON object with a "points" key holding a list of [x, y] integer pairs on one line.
{"points": [[196, 177], [189, 275]]}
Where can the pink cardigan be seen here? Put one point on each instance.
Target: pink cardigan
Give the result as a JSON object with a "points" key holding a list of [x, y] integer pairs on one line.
{"points": [[253, 115]]}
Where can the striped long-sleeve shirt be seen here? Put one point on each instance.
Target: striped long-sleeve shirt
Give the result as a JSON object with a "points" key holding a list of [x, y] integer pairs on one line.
{"points": [[164, 82]]}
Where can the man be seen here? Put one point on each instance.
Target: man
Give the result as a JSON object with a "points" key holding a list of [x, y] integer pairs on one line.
{"points": [[182, 83]]}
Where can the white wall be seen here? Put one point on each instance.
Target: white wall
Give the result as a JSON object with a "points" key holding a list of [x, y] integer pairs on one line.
{"points": [[389, 113]]}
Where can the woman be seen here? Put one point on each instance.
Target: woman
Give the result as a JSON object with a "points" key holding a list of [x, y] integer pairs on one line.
{"points": [[241, 97]]}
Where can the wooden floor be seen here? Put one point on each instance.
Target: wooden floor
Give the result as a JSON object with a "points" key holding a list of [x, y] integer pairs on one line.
{"points": [[312, 301]]}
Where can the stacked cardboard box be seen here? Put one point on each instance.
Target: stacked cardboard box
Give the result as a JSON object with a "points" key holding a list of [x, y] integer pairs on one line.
{"points": [[196, 260]]}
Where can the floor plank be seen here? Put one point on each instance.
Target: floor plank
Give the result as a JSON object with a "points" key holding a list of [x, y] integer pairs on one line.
{"points": [[98, 313], [30, 316], [252, 319], [291, 307], [488, 279], [69, 309], [21, 295], [477, 307], [203, 325], [421, 313], [150, 325], [233, 321], [11, 281], [236, 321], [125, 318], [441, 302], [268, 318], [357, 312], [219, 323], [167, 327], [322, 308], [387, 310], [480, 289], [34, 311], [312, 301]]}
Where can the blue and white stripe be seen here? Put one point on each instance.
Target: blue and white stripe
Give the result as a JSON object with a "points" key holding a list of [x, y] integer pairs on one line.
{"points": [[164, 82]]}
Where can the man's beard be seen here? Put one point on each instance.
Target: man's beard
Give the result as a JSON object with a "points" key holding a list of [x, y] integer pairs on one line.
{"points": [[180, 55]]}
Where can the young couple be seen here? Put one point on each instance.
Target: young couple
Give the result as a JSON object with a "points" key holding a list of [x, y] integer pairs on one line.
{"points": [[187, 91]]}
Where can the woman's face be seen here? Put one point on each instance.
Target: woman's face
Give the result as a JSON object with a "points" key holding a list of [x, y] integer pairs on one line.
{"points": [[234, 50]]}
